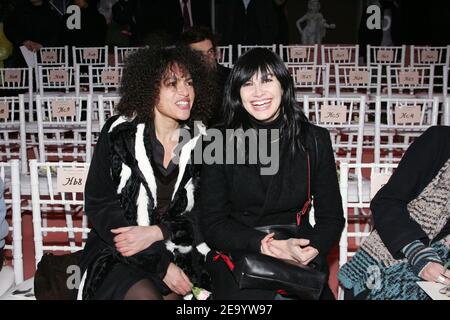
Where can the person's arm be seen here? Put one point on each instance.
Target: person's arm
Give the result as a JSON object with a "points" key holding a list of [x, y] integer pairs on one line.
{"points": [[328, 211], [219, 228], [389, 206]]}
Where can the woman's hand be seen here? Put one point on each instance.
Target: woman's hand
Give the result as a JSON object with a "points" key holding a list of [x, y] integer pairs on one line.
{"points": [[293, 249], [131, 240], [434, 272], [177, 280]]}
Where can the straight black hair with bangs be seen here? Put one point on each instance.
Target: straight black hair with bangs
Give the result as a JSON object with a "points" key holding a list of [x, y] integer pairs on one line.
{"points": [[295, 124]]}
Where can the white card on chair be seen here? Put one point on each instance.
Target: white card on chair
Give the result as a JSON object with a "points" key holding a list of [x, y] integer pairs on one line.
{"points": [[13, 76], [306, 76], [28, 56], [58, 76], [408, 78], [385, 55], [70, 179], [359, 77], [298, 53], [63, 108], [333, 114], [432, 289], [4, 110], [90, 53], [110, 77], [377, 181], [49, 57], [340, 54], [428, 56], [407, 114]]}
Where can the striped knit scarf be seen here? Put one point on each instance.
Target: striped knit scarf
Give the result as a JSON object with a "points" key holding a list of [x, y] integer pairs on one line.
{"points": [[431, 210]]}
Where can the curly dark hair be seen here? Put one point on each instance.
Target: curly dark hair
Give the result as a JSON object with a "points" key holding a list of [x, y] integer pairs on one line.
{"points": [[144, 72]]}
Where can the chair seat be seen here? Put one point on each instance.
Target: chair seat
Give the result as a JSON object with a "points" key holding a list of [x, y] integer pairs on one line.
{"points": [[23, 291], [353, 190]]}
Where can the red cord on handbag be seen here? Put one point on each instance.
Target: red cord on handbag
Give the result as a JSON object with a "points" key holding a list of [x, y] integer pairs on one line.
{"points": [[307, 204], [225, 259]]}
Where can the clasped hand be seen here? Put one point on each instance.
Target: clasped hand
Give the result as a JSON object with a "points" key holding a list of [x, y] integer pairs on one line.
{"points": [[291, 249]]}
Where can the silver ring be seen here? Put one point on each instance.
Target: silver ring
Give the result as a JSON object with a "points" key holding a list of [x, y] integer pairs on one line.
{"points": [[441, 279]]}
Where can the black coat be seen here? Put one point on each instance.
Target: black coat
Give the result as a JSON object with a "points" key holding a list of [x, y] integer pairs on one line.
{"points": [[420, 164], [236, 201]]}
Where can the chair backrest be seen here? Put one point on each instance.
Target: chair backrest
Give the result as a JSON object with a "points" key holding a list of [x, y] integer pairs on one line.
{"points": [[310, 78], [244, 48], [341, 55], [398, 122], [52, 57], [357, 80], [10, 175], [106, 108], [299, 54], [344, 119], [16, 79], [358, 182], [413, 80], [121, 54], [64, 128], [93, 56], [104, 79], [12, 134], [386, 56], [426, 55], [57, 193], [58, 79], [225, 55]]}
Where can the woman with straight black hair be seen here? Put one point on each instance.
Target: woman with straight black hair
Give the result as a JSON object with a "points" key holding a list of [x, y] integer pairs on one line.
{"points": [[259, 94]]}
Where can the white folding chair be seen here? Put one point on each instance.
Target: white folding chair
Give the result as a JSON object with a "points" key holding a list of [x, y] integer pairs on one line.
{"points": [[299, 54], [104, 80], [88, 56], [12, 134], [358, 80], [416, 81], [386, 56], [10, 175], [58, 80], [341, 55], [398, 122], [52, 57], [344, 119], [225, 55], [107, 108], [311, 80], [64, 128], [121, 54], [244, 48], [357, 191], [57, 192]]}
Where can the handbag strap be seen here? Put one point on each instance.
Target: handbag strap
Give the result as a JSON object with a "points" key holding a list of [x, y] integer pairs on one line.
{"points": [[308, 202]]}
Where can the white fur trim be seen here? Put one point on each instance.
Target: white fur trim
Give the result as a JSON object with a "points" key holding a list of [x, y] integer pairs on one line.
{"points": [[186, 154], [125, 174], [119, 120], [142, 207], [203, 248], [172, 247], [143, 162], [190, 195], [81, 286]]}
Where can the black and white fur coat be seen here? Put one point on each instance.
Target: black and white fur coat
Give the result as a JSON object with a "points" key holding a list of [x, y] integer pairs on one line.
{"points": [[121, 191]]}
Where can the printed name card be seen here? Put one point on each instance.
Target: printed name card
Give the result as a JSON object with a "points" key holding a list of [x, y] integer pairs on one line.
{"points": [[428, 56], [359, 77], [340, 54], [58, 76], [70, 179], [90, 53], [13, 76], [298, 53], [306, 75], [4, 110], [63, 108], [333, 114], [377, 181], [408, 78], [110, 77], [407, 114], [385, 55], [49, 57]]}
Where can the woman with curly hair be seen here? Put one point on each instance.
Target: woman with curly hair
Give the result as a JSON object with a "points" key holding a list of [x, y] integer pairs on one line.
{"points": [[138, 198]]}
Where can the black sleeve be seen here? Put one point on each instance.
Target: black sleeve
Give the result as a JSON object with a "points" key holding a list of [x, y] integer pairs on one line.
{"points": [[219, 229], [328, 212], [14, 29], [418, 166], [101, 202]]}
